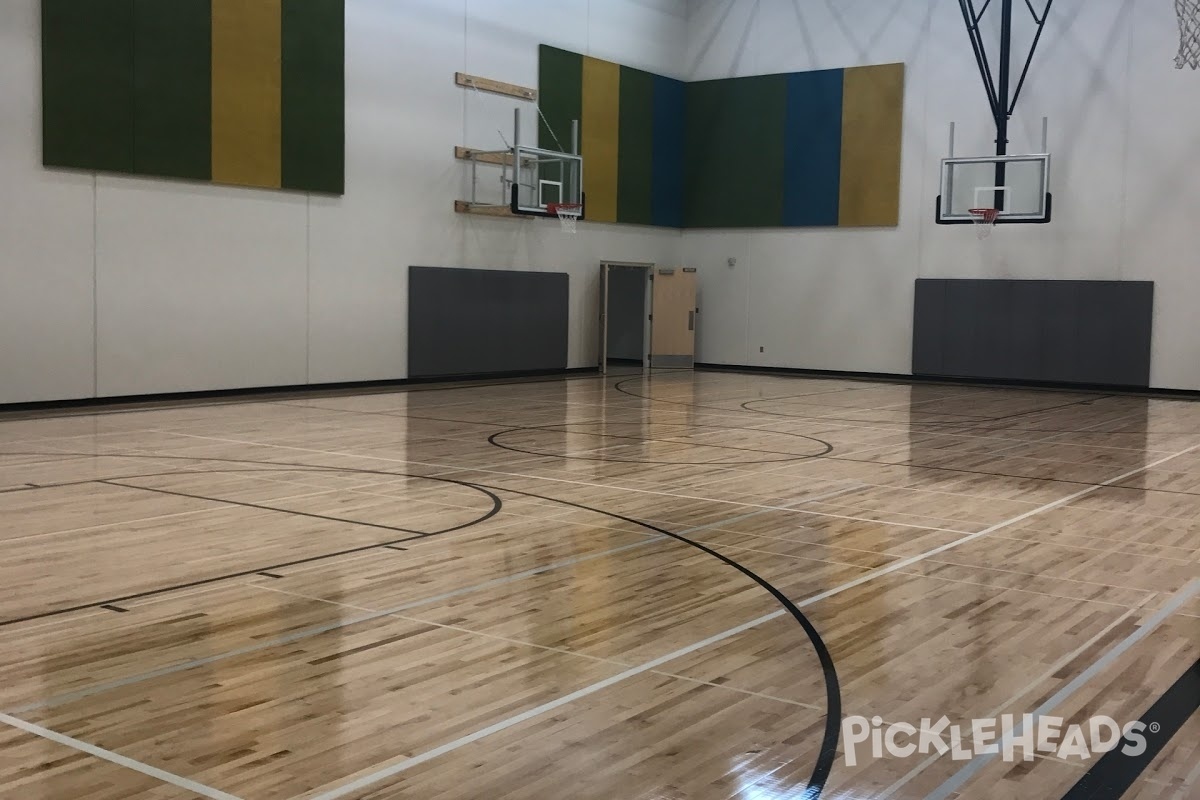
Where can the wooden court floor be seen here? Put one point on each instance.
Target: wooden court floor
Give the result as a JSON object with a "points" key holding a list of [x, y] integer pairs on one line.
{"points": [[644, 587]]}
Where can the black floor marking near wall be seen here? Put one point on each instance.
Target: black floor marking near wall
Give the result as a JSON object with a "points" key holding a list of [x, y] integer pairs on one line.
{"points": [[1114, 773], [104, 406]]}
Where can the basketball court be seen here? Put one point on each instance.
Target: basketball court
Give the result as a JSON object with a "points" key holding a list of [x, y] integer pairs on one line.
{"points": [[644, 572]]}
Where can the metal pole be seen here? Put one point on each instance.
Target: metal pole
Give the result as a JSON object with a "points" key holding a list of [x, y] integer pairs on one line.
{"points": [[1045, 134], [1002, 89], [952, 140], [574, 137]]}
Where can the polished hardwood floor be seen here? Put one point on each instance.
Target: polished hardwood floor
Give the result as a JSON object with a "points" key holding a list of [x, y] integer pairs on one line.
{"points": [[646, 587]]}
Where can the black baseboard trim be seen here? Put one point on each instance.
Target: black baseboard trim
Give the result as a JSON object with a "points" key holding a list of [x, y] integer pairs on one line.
{"points": [[945, 380], [300, 391], [633, 362]]}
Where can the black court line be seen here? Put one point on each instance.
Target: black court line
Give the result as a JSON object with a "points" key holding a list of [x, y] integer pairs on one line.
{"points": [[173, 493], [269, 575], [827, 448], [393, 547], [833, 692], [118, 609], [825, 454], [1114, 773], [619, 386], [977, 422], [830, 737], [602, 421], [297, 467], [497, 504]]}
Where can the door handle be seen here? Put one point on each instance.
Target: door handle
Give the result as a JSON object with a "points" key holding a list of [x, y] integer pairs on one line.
{"points": [[691, 320]]}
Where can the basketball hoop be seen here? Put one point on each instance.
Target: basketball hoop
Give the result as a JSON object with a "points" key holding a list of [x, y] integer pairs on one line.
{"points": [[985, 220], [568, 214], [1189, 34]]}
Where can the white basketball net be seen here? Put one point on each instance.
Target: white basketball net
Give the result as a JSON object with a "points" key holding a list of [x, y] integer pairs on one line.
{"points": [[568, 215], [1189, 34], [985, 220]]}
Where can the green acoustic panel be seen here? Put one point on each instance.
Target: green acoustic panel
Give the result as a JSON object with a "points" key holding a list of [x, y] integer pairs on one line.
{"points": [[734, 152], [635, 154], [313, 95], [172, 88], [87, 84], [560, 96]]}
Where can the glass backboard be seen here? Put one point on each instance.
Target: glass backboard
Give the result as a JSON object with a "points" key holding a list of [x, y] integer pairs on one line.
{"points": [[1018, 186]]}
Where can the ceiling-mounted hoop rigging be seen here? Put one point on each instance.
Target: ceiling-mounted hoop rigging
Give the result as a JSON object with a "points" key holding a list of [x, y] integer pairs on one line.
{"points": [[1003, 95], [1001, 98]]}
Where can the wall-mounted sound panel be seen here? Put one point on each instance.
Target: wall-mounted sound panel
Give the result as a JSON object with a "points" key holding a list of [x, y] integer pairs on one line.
{"points": [[483, 322], [1088, 332]]}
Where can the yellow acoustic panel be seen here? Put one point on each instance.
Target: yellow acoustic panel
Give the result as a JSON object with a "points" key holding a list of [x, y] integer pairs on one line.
{"points": [[600, 136], [872, 122], [246, 106]]}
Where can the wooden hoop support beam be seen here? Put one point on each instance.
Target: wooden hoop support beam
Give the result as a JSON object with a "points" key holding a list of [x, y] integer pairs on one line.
{"points": [[480, 209], [495, 87], [497, 157]]}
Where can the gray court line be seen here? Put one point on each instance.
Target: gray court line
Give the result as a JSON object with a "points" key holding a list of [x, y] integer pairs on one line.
{"points": [[972, 768], [1047, 675], [408, 763], [79, 694], [116, 758]]}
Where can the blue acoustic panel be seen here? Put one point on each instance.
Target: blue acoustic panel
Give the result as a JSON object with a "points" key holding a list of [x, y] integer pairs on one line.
{"points": [[812, 153], [667, 160]]}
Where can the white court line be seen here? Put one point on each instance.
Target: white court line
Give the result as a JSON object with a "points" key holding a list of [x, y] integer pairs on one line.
{"points": [[305, 633], [457, 469], [1048, 674], [1008, 523], [452, 468], [972, 768], [118, 759], [407, 763]]}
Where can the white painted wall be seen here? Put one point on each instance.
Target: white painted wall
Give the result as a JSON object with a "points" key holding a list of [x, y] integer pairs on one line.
{"points": [[1125, 134], [113, 285]]}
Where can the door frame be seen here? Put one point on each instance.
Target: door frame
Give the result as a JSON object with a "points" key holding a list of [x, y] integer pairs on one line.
{"points": [[605, 285]]}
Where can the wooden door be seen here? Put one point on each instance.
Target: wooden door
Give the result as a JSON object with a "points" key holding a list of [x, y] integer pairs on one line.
{"points": [[673, 318]]}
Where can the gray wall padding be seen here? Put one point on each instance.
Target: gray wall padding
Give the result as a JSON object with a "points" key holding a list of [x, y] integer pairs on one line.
{"points": [[1056, 331], [626, 312], [480, 321]]}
